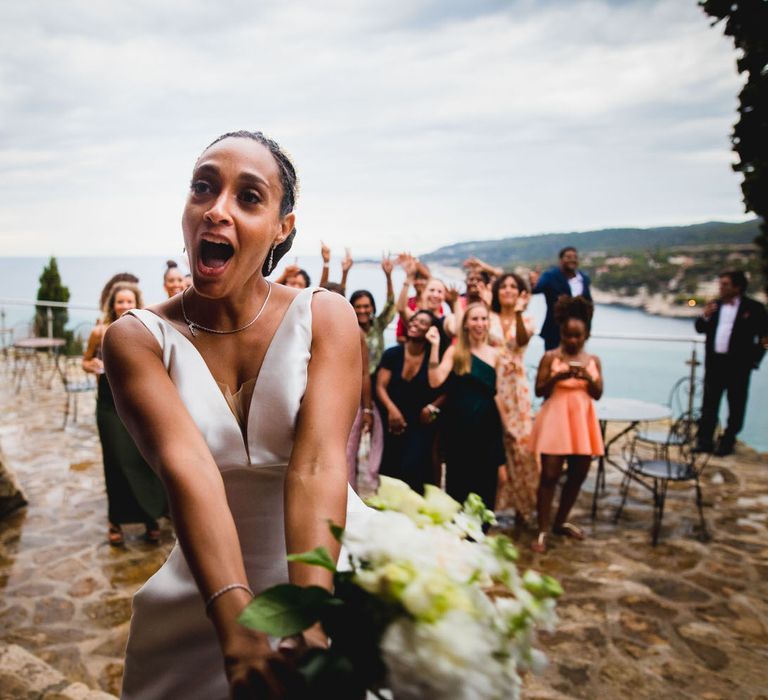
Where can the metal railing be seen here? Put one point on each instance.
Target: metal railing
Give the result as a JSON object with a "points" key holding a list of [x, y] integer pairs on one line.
{"points": [[651, 337], [47, 304]]}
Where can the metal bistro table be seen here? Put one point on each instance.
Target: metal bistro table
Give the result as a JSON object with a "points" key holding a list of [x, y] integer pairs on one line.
{"points": [[631, 411], [30, 347]]}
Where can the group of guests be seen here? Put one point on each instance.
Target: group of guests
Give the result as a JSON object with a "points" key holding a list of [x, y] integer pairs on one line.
{"points": [[453, 390]]}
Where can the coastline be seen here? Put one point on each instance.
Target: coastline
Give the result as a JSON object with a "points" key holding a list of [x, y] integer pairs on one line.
{"points": [[652, 304]]}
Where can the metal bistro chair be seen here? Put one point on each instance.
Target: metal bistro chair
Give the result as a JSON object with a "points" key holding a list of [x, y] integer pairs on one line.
{"points": [[25, 363], [686, 393], [675, 461], [76, 380]]}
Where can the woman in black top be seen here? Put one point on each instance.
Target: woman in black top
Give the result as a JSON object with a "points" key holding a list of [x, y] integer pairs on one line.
{"points": [[408, 406]]}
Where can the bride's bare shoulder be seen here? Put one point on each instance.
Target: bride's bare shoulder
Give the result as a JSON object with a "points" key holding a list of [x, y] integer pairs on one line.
{"points": [[128, 334]]}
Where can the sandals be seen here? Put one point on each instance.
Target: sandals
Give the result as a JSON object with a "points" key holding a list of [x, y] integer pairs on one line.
{"points": [[539, 545], [115, 536], [152, 533], [569, 530]]}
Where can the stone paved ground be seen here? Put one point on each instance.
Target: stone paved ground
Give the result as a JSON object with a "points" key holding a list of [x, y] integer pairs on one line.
{"points": [[686, 619]]}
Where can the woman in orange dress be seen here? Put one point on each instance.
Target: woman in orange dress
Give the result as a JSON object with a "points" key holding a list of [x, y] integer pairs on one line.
{"points": [[510, 331], [566, 427]]}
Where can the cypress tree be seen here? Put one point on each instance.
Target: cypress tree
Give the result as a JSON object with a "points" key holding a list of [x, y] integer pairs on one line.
{"points": [[51, 289]]}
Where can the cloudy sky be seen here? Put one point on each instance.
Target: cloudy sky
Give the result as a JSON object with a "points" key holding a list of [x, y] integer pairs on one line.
{"points": [[412, 123]]}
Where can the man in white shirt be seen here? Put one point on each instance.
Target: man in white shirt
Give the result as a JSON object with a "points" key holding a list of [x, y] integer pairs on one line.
{"points": [[735, 326]]}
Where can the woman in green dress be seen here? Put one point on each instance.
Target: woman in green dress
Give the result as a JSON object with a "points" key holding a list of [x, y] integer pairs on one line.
{"points": [[134, 492], [471, 427]]}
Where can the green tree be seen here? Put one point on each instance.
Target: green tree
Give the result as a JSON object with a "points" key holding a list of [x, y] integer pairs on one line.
{"points": [[51, 289], [747, 22]]}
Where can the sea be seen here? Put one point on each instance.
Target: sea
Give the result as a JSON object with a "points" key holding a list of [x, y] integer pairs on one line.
{"points": [[638, 369]]}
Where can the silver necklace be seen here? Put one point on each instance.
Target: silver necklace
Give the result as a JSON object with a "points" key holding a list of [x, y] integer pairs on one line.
{"points": [[194, 325]]}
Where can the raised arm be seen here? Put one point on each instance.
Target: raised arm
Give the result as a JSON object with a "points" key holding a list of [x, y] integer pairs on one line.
{"points": [[346, 264], [325, 253], [388, 312], [473, 262], [288, 271], [410, 266], [166, 435], [522, 332], [438, 369]]}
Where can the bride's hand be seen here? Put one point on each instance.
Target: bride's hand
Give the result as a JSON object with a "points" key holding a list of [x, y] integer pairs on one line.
{"points": [[314, 637], [255, 670]]}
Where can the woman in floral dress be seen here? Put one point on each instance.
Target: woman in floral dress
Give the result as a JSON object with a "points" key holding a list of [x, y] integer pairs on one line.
{"points": [[510, 331]]}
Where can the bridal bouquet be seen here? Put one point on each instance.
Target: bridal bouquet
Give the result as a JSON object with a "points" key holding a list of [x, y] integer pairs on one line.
{"points": [[430, 606]]}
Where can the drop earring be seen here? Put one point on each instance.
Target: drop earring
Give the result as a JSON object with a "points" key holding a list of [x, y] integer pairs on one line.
{"points": [[270, 261]]}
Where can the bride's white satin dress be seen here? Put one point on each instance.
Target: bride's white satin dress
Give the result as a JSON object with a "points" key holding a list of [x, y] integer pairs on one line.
{"points": [[173, 652]]}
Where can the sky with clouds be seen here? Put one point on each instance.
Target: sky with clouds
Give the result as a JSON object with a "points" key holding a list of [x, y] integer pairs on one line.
{"points": [[412, 124]]}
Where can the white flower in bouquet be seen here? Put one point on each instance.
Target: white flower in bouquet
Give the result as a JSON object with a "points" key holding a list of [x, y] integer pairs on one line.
{"points": [[395, 537], [452, 659], [431, 606]]}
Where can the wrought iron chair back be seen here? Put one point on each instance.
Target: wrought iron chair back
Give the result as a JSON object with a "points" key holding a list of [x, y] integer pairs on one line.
{"points": [[674, 461], [76, 380]]}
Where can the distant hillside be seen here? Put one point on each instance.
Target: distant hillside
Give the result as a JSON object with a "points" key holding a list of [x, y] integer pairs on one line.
{"points": [[508, 252]]}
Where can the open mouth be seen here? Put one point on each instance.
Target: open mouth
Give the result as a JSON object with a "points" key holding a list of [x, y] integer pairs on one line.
{"points": [[215, 255]]}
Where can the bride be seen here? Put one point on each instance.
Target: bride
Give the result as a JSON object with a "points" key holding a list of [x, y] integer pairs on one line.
{"points": [[241, 395]]}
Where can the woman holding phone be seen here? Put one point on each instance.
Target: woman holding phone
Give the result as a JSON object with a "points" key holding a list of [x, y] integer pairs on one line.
{"points": [[566, 427]]}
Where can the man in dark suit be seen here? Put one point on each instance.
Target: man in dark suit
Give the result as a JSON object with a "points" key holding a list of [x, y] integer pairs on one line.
{"points": [[736, 327], [564, 279]]}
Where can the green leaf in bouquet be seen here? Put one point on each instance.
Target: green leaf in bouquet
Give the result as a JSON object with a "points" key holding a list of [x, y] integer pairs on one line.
{"points": [[285, 609], [336, 530], [317, 557]]}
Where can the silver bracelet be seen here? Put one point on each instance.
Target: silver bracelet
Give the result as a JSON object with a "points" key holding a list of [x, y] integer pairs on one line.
{"points": [[226, 589]]}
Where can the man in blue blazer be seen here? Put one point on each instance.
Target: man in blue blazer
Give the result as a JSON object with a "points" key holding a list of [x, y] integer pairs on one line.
{"points": [[564, 279], [736, 327]]}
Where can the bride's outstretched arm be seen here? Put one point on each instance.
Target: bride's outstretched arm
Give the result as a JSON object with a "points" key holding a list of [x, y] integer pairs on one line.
{"points": [[316, 481], [170, 441]]}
